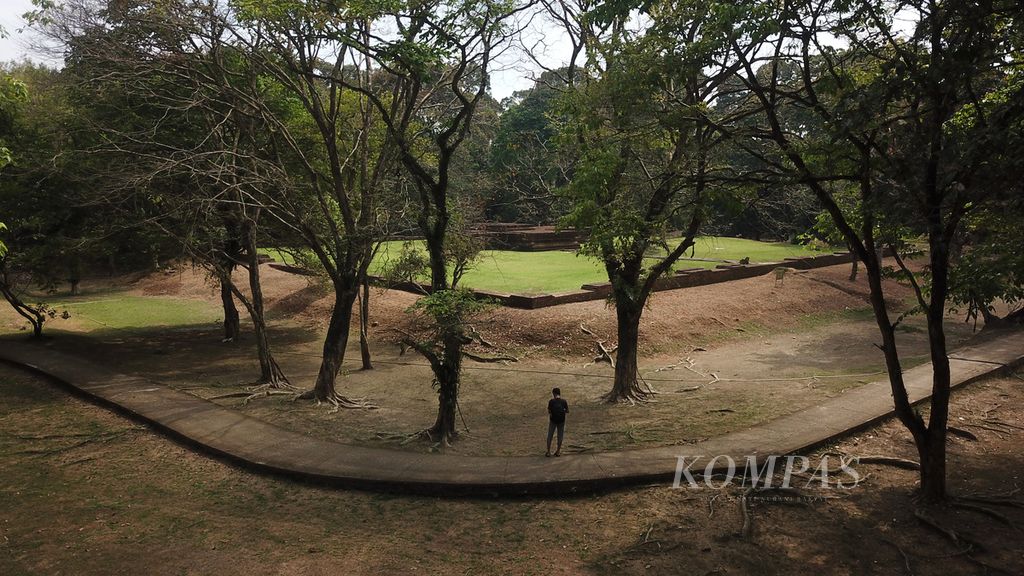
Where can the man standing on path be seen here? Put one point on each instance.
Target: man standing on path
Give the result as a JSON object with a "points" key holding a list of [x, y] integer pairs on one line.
{"points": [[557, 409]]}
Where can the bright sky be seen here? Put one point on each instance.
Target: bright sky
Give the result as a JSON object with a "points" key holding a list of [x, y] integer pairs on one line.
{"points": [[14, 46]]}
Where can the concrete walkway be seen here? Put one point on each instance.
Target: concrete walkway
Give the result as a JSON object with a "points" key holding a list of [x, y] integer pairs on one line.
{"points": [[265, 447]]}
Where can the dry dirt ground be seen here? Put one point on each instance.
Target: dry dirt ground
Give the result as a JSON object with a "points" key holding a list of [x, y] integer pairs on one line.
{"points": [[723, 357], [84, 491]]}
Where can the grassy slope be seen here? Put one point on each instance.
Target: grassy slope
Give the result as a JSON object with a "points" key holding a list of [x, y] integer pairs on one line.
{"points": [[115, 310]]}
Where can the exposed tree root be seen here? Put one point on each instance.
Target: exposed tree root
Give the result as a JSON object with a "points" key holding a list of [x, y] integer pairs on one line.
{"points": [[429, 434], [266, 394], [993, 500], [711, 504], [881, 460], [605, 354], [404, 437], [337, 401], [985, 511], [967, 545], [278, 384], [230, 395], [889, 461], [748, 523], [906, 559], [633, 397], [688, 364], [475, 335], [276, 387], [438, 439]]}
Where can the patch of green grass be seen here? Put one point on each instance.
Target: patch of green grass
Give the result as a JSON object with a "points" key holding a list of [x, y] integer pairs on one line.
{"points": [[722, 248], [118, 311], [279, 256], [563, 271], [514, 272]]}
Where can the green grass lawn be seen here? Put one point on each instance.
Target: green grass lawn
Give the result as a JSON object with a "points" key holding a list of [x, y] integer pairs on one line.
{"points": [[119, 311], [722, 248], [559, 271]]}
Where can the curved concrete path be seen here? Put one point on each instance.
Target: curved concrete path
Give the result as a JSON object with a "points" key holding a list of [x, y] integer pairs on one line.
{"points": [[263, 446]]}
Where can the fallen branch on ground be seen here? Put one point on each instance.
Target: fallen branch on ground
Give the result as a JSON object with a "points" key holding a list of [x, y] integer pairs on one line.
{"points": [[962, 433], [604, 354], [474, 334], [689, 389], [489, 359]]}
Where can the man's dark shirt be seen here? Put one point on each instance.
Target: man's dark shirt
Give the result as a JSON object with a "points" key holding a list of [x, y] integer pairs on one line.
{"points": [[558, 408]]}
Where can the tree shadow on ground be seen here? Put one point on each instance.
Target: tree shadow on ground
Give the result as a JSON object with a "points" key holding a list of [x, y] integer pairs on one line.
{"points": [[180, 354], [871, 529]]}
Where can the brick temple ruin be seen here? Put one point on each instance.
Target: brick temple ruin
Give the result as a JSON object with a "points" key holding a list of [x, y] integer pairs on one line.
{"points": [[527, 237]]}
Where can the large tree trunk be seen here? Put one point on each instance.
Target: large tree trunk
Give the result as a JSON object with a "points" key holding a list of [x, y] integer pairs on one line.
{"points": [[34, 316], [364, 322], [933, 450], [270, 371], [75, 273], [231, 319], [446, 373], [929, 440], [448, 367], [1016, 316], [334, 345], [225, 263], [626, 387], [933, 466]]}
